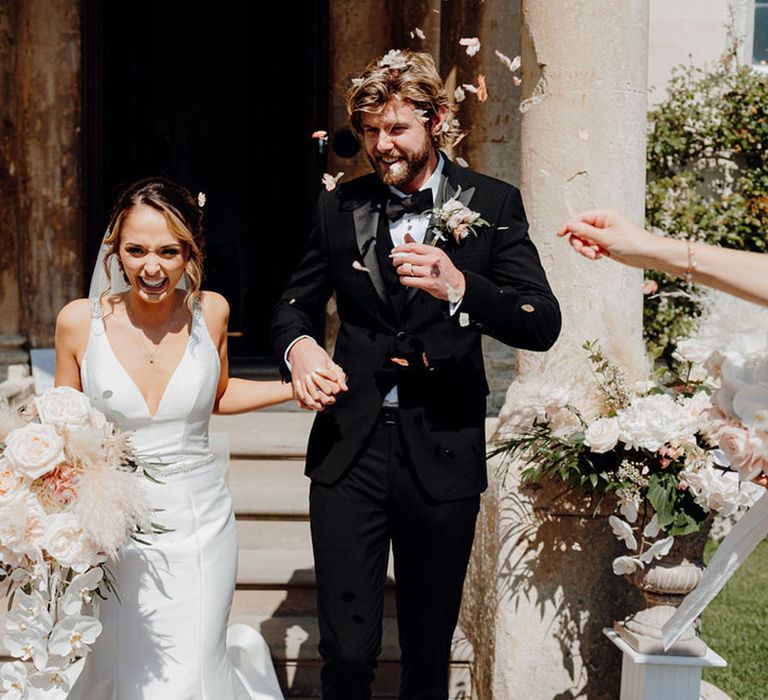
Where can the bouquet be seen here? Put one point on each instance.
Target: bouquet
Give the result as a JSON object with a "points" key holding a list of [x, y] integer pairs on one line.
{"points": [[69, 501], [671, 451]]}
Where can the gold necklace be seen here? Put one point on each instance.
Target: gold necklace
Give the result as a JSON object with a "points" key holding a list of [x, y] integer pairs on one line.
{"points": [[150, 353]]}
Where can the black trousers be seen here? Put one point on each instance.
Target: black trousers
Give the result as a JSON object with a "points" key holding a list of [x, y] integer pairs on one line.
{"points": [[377, 500]]}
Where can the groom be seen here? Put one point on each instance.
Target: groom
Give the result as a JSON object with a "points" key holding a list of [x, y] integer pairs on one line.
{"points": [[398, 455]]}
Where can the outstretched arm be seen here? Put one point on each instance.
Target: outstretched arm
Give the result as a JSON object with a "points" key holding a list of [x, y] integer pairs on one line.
{"points": [[234, 395], [606, 233]]}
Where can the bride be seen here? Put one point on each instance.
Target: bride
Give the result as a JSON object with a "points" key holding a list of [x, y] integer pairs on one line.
{"points": [[149, 348]]}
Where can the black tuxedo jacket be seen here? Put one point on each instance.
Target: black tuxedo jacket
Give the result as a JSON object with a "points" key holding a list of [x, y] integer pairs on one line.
{"points": [[442, 390]]}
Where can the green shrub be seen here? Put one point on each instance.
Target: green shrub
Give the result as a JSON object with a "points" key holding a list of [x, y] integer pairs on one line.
{"points": [[707, 177]]}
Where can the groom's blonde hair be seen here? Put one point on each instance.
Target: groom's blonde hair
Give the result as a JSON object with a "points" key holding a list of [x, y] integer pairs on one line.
{"points": [[408, 75]]}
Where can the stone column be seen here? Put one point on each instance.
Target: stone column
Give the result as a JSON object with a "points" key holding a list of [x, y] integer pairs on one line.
{"points": [[582, 145], [47, 126]]}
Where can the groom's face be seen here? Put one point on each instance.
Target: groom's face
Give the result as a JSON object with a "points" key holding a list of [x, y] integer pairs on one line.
{"points": [[398, 145]]}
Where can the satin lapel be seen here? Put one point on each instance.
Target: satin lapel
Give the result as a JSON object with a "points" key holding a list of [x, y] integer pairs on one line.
{"points": [[445, 191], [366, 219]]}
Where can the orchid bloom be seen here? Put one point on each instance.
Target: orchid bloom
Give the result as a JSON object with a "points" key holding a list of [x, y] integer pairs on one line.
{"points": [[623, 532], [73, 635]]}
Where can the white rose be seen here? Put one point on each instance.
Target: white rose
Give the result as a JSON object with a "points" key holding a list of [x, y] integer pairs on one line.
{"points": [[68, 543], [22, 524], [34, 450], [693, 351], [63, 405], [10, 482], [602, 435]]}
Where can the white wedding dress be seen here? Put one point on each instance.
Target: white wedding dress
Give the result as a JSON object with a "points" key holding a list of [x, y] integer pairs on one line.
{"points": [[168, 639]]}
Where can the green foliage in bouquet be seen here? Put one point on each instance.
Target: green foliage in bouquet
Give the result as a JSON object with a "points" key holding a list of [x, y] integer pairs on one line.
{"points": [[707, 177]]}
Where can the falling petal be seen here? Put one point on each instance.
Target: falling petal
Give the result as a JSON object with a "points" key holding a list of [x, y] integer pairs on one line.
{"points": [[418, 33], [319, 134], [527, 308], [329, 181], [470, 88], [459, 139], [584, 134], [512, 63], [359, 267], [463, 163], [463, 319], [482, 88], [516, 81], [502, 228], [471, 43], [399, 361], [459, 95], [201, 199]]}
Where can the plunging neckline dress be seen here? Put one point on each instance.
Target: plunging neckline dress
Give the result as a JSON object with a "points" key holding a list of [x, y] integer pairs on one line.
{"points": [[167, 637]]}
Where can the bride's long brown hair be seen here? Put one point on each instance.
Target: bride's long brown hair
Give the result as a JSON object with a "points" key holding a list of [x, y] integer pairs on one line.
{"points": [[183, 214]]}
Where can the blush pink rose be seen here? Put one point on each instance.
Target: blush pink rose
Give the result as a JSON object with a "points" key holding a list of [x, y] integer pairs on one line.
{"points": [[745, 450]]}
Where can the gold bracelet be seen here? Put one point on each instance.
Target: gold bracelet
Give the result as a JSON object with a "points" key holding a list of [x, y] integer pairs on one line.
{"points": [[692, 265]]}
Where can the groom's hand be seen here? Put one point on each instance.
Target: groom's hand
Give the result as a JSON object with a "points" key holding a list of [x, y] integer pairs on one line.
{"points": [[429, 268], [316, 377]]}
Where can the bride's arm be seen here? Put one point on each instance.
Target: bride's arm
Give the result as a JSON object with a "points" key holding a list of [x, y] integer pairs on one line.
{"points": [[235, 395], [72, 326]]}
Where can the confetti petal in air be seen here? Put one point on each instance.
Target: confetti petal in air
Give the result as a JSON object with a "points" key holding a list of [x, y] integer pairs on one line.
{"points": [[356, 265], [459, 139], [418, 33], [394, 59], [329, 181], [201, 199], [357, 82], [421, 115], [512, 63], [319, 134], [463, 163], [584, 134], [516, 81], [402, 362], [459, 95], [482, 88], [472, 44], [470, 88]]}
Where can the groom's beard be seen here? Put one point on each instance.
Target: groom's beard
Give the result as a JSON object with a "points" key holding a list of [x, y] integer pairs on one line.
{"points": [[404, 169]]}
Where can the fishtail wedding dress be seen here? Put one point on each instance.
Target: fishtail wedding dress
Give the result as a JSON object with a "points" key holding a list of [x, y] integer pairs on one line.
{"points": [[167, 637]]}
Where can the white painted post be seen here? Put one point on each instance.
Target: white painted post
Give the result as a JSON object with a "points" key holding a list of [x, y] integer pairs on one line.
{"points": [[661, 676]]}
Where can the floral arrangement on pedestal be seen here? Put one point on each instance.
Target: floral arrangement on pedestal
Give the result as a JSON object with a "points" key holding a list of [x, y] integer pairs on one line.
{"points": [[69, 501], [671, 451]]}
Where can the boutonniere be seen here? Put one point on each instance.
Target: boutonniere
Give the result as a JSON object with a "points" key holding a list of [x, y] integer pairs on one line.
{"points": [[456, 220]]}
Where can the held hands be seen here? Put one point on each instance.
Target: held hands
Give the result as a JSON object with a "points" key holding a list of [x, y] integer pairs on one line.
{"points": [[429, 268], [603, 232], [316, 377]]}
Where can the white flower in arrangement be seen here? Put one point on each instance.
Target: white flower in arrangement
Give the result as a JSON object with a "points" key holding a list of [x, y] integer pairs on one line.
{"points": [[602, 435], [626, 565], [51, 678], [22, 524], [67, 542], [79, 591], [27, 644], [719, 491], [34, 450], [623, 531], [13, 680], [73, 635], [65, 406], [528, 401], [11, 483], [659, 549], [30, 613], [650, 422], [652, 529]]}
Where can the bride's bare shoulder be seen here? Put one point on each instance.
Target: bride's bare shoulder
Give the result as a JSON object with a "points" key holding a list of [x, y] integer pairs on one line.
{"points": [[75, 315], [215, 309]]}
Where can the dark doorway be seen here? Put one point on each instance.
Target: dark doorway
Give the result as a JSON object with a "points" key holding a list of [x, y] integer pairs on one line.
{"points": [[226, 105]]}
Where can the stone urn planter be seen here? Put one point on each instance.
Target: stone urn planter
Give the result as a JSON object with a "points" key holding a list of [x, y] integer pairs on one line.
{"points": [[664, 584]]}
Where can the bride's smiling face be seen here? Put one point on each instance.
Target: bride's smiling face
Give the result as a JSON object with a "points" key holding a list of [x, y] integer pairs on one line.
{"points": [[152, 257]]}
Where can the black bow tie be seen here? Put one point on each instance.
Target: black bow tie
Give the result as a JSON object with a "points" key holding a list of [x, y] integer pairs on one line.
{"points": [[417, 203]]}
